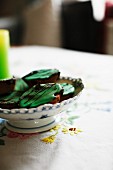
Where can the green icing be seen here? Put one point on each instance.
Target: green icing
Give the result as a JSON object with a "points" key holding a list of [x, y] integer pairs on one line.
{"points": [[68, 88], [21, 85], [41, 74], [36, 95], [10, 99]]}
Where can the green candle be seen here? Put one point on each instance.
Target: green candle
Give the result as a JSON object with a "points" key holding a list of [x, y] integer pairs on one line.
{"points": [[4, 48]]}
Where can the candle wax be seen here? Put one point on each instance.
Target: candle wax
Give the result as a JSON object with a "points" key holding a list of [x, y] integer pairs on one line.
{"points": [[4, 48]]}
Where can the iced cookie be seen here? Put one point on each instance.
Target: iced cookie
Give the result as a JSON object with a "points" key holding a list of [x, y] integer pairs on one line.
{"points": [[68, 91], [41, 76], [7, 86], [10, 101], [41, 94]]}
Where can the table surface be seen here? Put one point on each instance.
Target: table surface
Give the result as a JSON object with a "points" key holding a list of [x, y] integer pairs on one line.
{"points": [[92, 147]]}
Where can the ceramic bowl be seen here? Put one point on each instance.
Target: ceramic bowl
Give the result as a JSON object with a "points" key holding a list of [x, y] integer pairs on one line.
{"points": [[41, 118]]}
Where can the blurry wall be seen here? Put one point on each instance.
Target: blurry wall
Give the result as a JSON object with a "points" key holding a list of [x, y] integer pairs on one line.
{"points": [[61, 23], [11, 18], [43, 24], [12, 7], [80, 30], [68, 24]]}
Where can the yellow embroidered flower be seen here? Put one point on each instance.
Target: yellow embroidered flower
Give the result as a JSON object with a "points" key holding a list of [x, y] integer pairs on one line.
{"points": [[57, 127], [72, 133], [49, 139], [78, 130], [65, 130]]}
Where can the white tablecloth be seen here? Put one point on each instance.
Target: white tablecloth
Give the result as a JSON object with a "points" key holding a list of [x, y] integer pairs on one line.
{"points": [[92, 149]]}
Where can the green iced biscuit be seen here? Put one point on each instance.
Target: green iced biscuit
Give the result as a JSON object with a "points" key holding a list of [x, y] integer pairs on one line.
{"points": [[40, 94], [68, 91], [21, 85], [10, 101], [41, 76]]}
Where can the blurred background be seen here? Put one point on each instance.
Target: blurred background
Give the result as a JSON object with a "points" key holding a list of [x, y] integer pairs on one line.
{"points": [[66, 24]]}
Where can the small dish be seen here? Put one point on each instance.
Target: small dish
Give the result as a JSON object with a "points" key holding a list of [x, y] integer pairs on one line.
{"points": [[41, 118]]}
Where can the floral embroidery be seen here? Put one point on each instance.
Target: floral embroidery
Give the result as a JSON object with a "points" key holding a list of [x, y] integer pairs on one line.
{"points": [[69, 120], [66, 130], [57, 127], [50, 139], [72, 131], [10, 134], [19, 135]]}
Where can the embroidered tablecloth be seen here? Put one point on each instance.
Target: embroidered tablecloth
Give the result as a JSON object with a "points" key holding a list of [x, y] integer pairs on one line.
{"points": [[84, 140]]}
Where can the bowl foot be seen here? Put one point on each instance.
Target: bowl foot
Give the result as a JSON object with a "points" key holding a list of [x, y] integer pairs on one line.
{"points": [[32, 126]]}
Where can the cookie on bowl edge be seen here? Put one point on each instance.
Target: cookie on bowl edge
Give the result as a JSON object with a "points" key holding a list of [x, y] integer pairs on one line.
{"points": [[68, 91], [42, 76], [7, 85], [11, 100]]}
